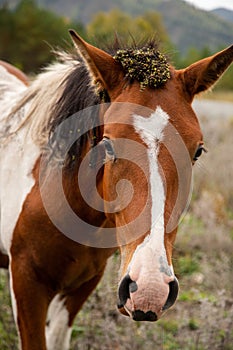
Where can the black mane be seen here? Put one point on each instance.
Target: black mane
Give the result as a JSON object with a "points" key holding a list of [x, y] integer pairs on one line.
{"points": [[72, 107], [77, 95]]}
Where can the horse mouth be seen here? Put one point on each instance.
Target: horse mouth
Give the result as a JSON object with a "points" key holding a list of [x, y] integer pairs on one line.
{"points": [[138, 315], [151, 316]]}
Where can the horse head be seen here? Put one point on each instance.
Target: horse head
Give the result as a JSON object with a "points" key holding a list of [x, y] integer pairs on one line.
{"points": [[151, 139]]}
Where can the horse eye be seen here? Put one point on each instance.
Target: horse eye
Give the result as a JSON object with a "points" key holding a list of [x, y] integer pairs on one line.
{"points": [[199, 151], [110, 153]]}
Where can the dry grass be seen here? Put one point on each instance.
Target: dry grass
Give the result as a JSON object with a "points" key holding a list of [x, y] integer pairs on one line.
{"points": [[214, 172], [217, 95]]}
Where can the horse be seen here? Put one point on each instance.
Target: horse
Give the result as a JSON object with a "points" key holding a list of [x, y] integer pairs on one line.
{"points": [[15, 71], [96, 156]]}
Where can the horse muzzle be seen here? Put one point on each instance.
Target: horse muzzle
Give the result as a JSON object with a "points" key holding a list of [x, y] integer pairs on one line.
{"points": [[147, 301]]}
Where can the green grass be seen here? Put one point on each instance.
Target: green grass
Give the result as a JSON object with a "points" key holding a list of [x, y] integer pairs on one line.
{"points": [[8, 336], [193, 324], [195, 295], [187, 265]]}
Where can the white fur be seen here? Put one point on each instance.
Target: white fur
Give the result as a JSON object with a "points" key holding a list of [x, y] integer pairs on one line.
{"points": [[151, 132], [15, 167], [18, 157], [58, 332], [24, 119], [11, 91]]}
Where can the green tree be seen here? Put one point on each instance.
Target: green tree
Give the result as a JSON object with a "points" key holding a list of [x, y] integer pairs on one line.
{"points": [[6, 30], [193, 55], [154, 26], [104, 26], [28, 32], [226, 82]]}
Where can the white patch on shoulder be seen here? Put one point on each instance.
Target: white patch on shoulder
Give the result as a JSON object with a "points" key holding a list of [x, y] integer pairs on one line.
{"points": [[17, 160], [18, 156], [58, 332], [151, 132]]}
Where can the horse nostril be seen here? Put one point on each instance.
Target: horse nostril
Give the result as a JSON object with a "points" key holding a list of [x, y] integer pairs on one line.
{"points": [[174, 288], [133, 287], [139, 315], [126, 287]]}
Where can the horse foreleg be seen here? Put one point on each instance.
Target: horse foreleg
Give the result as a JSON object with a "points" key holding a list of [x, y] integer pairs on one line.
{"points": [[30, 300], [62, 312], [58, 331]]}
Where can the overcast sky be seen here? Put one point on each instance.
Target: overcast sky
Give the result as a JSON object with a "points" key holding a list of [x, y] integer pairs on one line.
{"points": [[212, 4]]}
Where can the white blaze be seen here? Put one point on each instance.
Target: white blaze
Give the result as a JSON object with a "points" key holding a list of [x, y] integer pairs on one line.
{"points": [[151, 132]]}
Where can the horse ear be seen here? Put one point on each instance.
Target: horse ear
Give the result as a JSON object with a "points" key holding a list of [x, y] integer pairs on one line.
{"points": [[201, 75], [102, 66]]}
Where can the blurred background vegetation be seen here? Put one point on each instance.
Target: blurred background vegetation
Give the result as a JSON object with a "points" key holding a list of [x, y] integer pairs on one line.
{"points": [[30, 29]]}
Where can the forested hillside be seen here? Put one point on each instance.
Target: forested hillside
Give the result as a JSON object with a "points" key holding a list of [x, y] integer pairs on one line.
{"points": [[223, 13], [186, 25], [187, 33]]}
